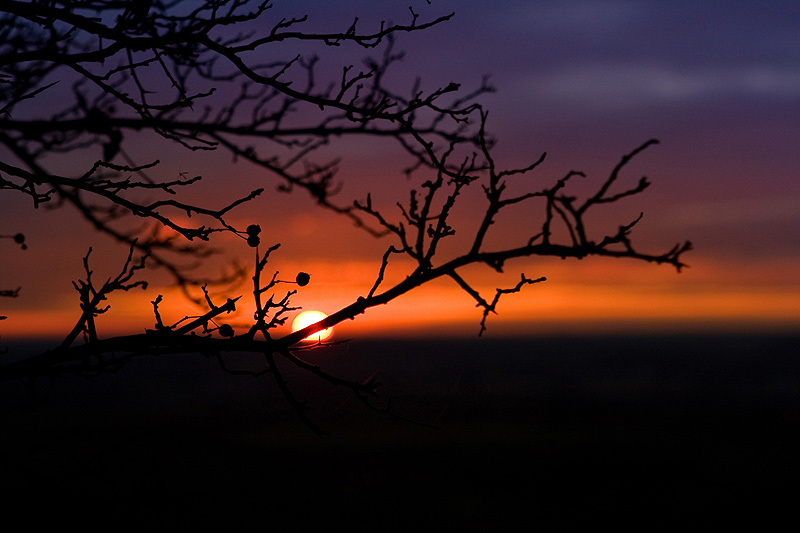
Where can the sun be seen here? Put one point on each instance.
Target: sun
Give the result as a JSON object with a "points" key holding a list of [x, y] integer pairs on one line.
{"points": [[306, 318]]}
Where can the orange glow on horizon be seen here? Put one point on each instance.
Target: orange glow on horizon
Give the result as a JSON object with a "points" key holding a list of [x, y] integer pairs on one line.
{"points": [[578, 297]]}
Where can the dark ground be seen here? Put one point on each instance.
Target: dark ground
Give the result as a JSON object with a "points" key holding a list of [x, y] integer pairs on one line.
{"points": [[634, 433]]}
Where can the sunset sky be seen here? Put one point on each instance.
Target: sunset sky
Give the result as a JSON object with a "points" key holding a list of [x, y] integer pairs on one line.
{"points": [[717, 83]]}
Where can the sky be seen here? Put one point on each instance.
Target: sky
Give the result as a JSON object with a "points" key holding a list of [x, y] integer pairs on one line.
{"points": [[717, 83]]}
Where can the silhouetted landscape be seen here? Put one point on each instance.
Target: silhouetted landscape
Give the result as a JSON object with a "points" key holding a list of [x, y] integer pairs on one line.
{"points": [[637, 432]]}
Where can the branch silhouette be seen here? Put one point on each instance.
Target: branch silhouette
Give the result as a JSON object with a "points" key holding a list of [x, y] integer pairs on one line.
{"points": [[117, 64], [193, 75]]}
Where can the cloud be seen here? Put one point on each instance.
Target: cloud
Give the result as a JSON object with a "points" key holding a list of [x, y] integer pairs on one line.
{"points": [[736, 212], [619, 86]]}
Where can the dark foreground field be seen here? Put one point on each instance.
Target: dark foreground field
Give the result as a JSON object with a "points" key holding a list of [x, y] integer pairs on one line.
{"points": [[638, 433]]}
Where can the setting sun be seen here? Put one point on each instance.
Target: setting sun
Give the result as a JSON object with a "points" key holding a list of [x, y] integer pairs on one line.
{"points": [[306, 318]]}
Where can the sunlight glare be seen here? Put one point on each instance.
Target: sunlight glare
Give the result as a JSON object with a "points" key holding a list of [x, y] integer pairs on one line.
{"points": [[306, 318]]}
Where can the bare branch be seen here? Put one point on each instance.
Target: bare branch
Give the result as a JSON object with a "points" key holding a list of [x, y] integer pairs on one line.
{"points": [[197, 79]]}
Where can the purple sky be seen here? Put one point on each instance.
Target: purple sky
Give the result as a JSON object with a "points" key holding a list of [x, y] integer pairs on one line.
{"points": [[718, 83]]}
